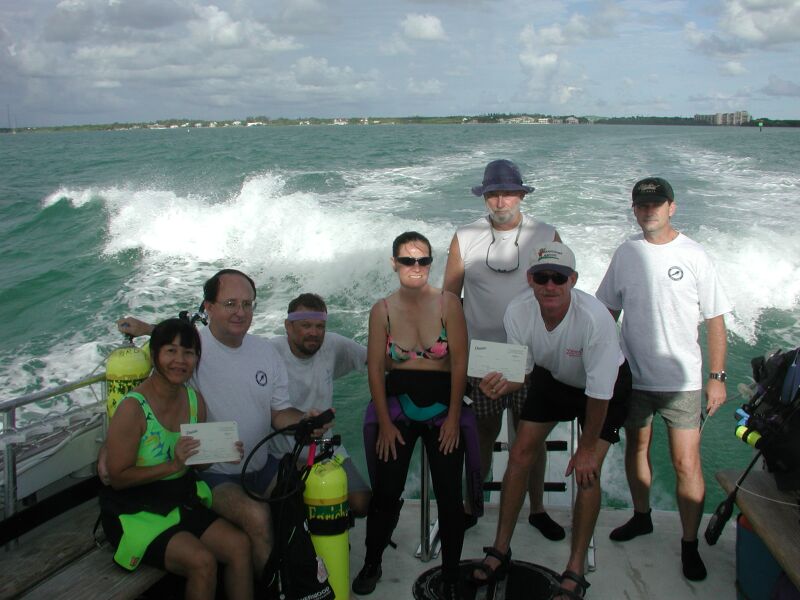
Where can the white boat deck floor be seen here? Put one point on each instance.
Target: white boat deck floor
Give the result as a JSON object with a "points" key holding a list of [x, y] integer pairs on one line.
{"points": [[646, 568]]}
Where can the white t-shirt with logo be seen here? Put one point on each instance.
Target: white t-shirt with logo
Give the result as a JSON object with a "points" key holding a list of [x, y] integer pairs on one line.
{"points": [[242, 384], [664, 290], [582, 351], [311, 379]]}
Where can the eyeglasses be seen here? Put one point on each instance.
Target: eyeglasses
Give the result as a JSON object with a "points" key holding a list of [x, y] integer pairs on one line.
{"points": [[541, 278], [408, 261], [497, 269], [232, 306]]}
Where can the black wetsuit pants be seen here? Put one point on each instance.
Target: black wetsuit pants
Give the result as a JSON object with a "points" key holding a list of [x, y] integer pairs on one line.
{"points": [[390, 479]]}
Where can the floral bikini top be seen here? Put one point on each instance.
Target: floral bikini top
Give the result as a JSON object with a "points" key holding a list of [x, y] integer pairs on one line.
{"points": [[397, 353]]}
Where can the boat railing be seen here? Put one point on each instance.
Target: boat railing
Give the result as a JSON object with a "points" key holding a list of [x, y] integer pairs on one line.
{"points": [[13, 435]]}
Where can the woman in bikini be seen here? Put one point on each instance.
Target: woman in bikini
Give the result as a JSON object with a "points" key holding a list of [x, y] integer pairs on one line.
{"points": [[416, 364]]}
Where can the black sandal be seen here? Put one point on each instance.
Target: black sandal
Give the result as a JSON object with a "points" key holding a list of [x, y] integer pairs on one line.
{"points": [[579, 592], [492, 575]]}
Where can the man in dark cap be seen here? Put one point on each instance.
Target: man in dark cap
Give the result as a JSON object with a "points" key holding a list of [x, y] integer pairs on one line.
{"points": [[664, 282], [484, 262]]}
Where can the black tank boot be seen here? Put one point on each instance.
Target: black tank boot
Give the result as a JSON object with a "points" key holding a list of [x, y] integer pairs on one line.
{"points": [[381, 523]]}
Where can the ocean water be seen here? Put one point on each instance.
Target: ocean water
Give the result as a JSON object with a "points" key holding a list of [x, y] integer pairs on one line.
{"points": [[97, 225]]}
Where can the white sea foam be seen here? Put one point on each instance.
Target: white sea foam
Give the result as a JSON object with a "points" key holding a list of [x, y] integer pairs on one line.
{"points": [[76, 198], [289, 242]]}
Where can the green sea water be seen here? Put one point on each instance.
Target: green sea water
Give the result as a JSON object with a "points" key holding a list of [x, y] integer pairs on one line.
{"points": [[96, 225]]}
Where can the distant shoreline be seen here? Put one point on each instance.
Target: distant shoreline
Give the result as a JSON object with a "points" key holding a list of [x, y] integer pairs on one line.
{"points": [[530, 120]]}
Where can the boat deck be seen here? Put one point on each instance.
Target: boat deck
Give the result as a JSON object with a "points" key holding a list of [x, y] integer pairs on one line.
{"points": [[646, 568]]}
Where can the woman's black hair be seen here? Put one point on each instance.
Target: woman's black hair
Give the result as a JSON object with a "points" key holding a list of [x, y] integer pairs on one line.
{"points": [[410, 236], [165, 332]]}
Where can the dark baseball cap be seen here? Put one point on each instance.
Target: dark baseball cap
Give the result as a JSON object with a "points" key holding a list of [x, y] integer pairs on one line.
{"points": [[652, 189]]}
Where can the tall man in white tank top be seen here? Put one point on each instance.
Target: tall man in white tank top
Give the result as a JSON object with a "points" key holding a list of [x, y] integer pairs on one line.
{"points": [[664, 283], [487, 260]]}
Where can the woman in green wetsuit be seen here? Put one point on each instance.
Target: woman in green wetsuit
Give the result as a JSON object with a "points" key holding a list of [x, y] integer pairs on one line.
{"points": [[156, 510]]}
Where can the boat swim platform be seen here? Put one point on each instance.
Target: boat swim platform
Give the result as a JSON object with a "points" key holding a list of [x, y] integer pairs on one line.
{"points": [[645, 568]]}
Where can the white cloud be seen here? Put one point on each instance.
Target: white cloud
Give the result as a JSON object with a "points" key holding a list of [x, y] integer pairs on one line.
{"points": [[394, 45], [734, 68], [781, 87], [565, 93], [748, 24], [762, 23], [430, 87], [423, 27]]}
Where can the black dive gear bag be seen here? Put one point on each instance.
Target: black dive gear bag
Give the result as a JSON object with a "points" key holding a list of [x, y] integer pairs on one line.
{"points": [[293, 571], [770, 421]]}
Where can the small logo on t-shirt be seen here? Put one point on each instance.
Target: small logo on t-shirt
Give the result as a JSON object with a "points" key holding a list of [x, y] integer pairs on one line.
{"points": [[574, 353], [261, 378], [675, 273]]}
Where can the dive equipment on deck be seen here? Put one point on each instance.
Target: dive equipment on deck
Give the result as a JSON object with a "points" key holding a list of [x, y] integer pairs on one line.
{"points": [[770, 421], [328, 513], [126, 367], [293, 571]]}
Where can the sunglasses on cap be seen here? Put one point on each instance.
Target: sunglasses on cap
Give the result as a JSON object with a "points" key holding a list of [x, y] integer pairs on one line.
{"points": [[408, 261], [542, 277]]}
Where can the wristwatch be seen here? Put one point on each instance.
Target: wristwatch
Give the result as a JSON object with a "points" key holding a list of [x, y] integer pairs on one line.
{"points": [[719, 376]]}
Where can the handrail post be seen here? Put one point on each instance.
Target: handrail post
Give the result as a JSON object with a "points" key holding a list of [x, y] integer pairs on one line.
{"points": [[9, 466], [428, 534]]}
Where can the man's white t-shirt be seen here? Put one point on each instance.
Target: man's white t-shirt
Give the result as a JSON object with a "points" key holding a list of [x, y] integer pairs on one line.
{"points": [[486, 292], [663, 290], [311, 379], [583, 351], [242, 384]]}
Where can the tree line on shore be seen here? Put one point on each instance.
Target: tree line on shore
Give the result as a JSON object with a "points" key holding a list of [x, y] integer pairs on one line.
{"points": [[492, 118]]}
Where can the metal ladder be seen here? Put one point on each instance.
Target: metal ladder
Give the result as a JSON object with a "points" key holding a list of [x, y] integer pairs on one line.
{"points": [[430, 544]]}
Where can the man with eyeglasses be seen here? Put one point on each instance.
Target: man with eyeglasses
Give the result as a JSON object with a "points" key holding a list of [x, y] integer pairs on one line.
{"points": [[484, 262], [242, 379], [663, 283], [575, 368], [315, 357]]}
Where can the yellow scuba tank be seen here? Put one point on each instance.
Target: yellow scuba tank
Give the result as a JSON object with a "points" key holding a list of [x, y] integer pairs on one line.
{"points": [[325, 497], [126, 367]]}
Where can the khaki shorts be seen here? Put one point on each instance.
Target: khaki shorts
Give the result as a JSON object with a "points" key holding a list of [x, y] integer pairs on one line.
{"points": [[680, 410]]}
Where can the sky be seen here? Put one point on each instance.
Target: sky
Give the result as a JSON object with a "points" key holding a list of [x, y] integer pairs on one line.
{"points": [[104, 61]]}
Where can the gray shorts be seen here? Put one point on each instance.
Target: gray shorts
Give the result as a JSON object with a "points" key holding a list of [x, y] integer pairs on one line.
{"points": [[680, 410]]}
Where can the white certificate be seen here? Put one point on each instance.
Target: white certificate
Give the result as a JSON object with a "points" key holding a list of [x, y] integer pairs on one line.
{"points": [[508, 359], [217, 441]]}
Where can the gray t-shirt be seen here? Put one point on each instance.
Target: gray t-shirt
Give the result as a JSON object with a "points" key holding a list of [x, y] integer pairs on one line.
{"points": [[311, 379], [242, 384], [487, 293]]}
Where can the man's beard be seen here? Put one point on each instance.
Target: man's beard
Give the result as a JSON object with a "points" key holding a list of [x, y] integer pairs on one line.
{"points": [[502, 218]]}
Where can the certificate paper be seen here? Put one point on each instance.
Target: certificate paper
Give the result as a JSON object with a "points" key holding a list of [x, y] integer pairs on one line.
{"points": [[217, 441], [508, 359]]}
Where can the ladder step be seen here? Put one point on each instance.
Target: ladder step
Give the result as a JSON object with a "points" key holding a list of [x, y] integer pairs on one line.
{"points": [[552, 446], [555, 486], [549, 486]]}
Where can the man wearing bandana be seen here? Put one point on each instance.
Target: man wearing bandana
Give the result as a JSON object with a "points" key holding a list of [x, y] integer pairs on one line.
{"points": [[313, 359]]}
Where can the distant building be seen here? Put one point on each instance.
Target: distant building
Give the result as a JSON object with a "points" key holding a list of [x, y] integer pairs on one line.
{"points": [[734, 118], [572, 121]]}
